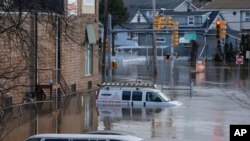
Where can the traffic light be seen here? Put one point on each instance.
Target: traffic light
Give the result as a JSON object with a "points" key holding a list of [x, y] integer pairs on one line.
{"points": [[156, 22], [169, 22], [175, 35], [223, 29], [218, 24], [161, 23]]}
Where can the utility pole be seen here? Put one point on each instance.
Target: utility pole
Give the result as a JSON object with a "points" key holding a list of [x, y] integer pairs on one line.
{"points": [[105, 39], [154, 62], [109, 48]]}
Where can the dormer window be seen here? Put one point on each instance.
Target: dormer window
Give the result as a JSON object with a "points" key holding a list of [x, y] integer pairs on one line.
{"points": [[150, 14], [247, 18], [190, 20]]}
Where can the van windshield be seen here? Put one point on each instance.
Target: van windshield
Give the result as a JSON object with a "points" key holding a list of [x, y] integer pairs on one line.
{"points": [[162, 95]]}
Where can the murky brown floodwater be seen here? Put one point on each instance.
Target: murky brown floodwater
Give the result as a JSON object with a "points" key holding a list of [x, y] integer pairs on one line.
{"points": [[221, 96]]}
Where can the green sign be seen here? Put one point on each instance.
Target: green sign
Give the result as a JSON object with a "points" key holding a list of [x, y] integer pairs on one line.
{"points": [[190, 36]]}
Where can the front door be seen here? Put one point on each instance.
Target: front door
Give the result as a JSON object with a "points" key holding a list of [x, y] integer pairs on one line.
{"points": [[152, 99]]}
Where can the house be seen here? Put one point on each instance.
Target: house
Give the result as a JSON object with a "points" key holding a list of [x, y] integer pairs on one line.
{"points": [[236, 13], [49, 52], [237, 16], [183, 11], [141, 11]]}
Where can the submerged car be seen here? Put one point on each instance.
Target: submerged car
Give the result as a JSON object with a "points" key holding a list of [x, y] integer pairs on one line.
{"points": [[138, 94]]}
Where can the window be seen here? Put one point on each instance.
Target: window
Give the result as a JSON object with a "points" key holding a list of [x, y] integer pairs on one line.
{"points": [[160, 40], [150, 14], [191, 20], [152, 97], [73, 88], [88, 6], [137, 96], [247, 18], [126, 95], [89, 59], [80, 140]]}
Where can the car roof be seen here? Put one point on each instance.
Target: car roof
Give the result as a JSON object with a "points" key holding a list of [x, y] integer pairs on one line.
{"points": [[113, 132], [89, 136]]}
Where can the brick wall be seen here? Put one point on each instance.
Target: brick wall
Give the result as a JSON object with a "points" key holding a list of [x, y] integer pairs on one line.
{"points": [[72, 53]]}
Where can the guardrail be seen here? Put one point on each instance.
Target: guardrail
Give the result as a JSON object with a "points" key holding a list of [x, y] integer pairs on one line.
{"points": [[188, 87]]}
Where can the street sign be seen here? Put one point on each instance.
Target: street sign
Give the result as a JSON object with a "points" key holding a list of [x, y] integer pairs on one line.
{"points": [[184, 40], [190, 36], [239, 59]]}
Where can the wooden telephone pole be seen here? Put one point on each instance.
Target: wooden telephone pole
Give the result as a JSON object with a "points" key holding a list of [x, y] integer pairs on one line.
{"points": [[154, 61]]}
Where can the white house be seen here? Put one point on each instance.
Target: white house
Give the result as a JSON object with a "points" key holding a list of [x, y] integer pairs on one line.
{"points": [[236, 13]]}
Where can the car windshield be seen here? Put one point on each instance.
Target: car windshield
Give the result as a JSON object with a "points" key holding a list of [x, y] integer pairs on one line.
{"points": [[163, 96], [34, 139]]}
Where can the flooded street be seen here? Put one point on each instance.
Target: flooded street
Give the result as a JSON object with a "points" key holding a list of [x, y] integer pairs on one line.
{"points": [[220, 98]]}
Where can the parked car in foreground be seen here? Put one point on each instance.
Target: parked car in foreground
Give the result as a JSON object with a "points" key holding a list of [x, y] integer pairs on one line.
{"points": [[102, 136]]}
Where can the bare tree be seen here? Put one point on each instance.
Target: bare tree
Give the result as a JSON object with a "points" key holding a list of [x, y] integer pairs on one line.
{"points": [[20, 50]]}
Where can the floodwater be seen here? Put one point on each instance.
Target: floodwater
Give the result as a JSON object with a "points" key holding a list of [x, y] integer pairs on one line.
{"points": [[220, 98]]}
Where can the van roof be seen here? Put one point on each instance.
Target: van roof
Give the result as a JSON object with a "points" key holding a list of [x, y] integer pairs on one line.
{"points": [[128, 88], [88, 136], [147, 85]]}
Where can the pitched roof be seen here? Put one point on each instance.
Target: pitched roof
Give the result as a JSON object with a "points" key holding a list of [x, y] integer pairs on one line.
{"points": [[211, 18], [146, 4], [228, 4]]}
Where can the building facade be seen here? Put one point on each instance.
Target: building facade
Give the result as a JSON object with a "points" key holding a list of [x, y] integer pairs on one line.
{"points": [[58, 50]]}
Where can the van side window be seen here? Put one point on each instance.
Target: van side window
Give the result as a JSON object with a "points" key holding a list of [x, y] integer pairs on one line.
{"points": [[126, 95], [137, 96], [80, 140], [152, 97]]}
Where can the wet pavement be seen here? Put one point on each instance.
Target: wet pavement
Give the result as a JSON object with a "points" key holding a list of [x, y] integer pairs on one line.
{"points": [[220, 97]]}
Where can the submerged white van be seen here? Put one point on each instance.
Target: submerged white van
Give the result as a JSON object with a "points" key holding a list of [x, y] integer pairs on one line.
{"points": [[138, 94]]}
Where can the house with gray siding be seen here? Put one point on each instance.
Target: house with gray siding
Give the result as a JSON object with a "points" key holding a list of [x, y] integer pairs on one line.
{"points": [[199, 23], [237, 16]]}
